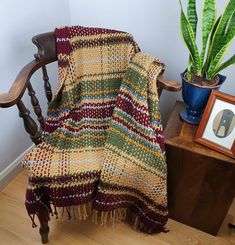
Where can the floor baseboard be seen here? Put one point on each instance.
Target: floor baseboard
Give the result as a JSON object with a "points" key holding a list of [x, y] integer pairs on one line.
{"points": [[11, 171]]}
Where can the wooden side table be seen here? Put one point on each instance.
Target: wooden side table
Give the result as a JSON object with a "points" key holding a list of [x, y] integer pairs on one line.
{"points": [[201, 181]]}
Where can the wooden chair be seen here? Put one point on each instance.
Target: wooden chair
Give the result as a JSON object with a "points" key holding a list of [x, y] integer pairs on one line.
{"points": [[46, 54]]}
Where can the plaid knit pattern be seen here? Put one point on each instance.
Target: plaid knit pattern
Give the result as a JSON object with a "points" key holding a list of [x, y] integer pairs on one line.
{"points": [[103, 139]]}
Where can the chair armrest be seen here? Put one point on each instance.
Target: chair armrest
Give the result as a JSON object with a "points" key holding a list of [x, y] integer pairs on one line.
{"points": [[168, 84], [18, 87]]}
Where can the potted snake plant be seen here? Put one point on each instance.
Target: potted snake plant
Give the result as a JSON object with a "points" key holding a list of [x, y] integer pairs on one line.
{"points": [[202, 73]]}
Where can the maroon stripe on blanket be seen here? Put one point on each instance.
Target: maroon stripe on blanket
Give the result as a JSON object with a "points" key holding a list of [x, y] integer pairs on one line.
{"points": [[65, 179], [87, 126], [91, 113], [160, 140], [116, 201], [60, 197], [49, 124], [88, 31], [63, 63], [50, 128], [129, 98], [43, 195], [62, 41], [130, 108], [114, 187]]}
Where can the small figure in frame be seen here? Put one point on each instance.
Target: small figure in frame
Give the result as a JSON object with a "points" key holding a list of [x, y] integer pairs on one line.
{"points": [[224, 123]]}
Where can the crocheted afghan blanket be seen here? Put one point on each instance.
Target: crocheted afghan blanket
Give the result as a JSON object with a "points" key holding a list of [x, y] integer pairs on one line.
{"points": [[103, 152]]}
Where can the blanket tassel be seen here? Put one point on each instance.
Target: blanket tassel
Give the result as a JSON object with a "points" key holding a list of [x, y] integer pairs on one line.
{"points": [[32, 217]]}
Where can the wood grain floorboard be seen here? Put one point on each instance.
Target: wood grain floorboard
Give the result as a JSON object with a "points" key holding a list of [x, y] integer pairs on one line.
{"points": [[15, 227]]}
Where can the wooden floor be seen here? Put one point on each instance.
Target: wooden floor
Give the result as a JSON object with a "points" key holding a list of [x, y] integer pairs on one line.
{"points": [[15, 227]]}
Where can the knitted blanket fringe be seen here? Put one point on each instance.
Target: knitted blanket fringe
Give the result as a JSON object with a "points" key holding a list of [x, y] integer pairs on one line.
{"points": [[102, 154], [102, 218]]}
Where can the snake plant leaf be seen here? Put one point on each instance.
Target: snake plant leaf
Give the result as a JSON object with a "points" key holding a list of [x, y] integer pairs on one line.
{"points": [[192, 19], [231, 24], [189, 39], [230, 30], [210, 41], [215, 63], [208, 22], [189, 70], [225, 65], [215, 45], [225, 41], [192, 15], [214, 29], [229, 33]]}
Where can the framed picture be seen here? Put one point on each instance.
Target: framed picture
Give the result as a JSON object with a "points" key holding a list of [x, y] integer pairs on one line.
{"points": [[217, 127]]}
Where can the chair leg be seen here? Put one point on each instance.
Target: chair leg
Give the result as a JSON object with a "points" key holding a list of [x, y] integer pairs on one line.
{"points": [[43, 217]]}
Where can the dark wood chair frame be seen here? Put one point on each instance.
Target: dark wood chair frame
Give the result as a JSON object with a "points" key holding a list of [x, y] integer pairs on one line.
{"points": [[46, 54]]}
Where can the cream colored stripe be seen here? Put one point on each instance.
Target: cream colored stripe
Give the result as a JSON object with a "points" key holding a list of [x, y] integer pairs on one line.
{"points": [[132, 175]]}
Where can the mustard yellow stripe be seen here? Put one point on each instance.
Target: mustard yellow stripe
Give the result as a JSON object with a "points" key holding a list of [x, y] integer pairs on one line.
{"points": [[99, 92], [95, 36], [101, 76], [138, 163], [83, 151], [64, 185], [60, 135], [104, 100]]}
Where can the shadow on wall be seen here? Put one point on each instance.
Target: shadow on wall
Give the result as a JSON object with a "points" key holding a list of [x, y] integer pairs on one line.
{"points": [[20, 21]]}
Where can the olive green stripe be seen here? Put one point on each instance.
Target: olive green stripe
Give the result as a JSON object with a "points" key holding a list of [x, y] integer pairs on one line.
{"points": [[133, 150]]}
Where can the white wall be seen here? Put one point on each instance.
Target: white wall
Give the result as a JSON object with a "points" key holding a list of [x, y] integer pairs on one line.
{"points": [[20, 20], [155, 26]]}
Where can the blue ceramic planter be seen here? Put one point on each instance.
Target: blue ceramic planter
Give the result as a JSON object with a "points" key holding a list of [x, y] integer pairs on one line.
{"points": [[195, 98]]}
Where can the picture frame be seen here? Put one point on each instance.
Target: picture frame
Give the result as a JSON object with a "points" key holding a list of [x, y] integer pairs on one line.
{"points": [[217, 127]]}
